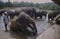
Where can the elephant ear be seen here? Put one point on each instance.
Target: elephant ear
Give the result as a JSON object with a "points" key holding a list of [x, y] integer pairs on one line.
{"points": [[56, 1]]}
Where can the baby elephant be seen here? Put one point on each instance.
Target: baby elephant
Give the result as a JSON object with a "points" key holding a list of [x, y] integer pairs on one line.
{"points": [[22, 24]]}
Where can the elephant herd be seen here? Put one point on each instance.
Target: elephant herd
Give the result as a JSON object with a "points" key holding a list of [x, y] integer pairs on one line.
{"points": [[25, 19], [53, 15], [30, 11]]}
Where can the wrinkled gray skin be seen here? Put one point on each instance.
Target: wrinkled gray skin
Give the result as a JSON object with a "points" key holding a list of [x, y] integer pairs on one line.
{"points": [[21, 24]]}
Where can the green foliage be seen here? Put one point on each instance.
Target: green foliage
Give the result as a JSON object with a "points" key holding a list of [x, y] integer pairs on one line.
{"points": [[8, 4], [43, 6], [49, 6], [1, 4]]}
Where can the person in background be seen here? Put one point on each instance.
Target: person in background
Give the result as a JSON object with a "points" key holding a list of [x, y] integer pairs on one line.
{"points": [[5, 20]]}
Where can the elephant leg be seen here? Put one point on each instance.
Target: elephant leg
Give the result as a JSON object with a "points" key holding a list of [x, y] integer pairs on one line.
{"points": [[40, 17], [35, 17], [45, 16]]}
